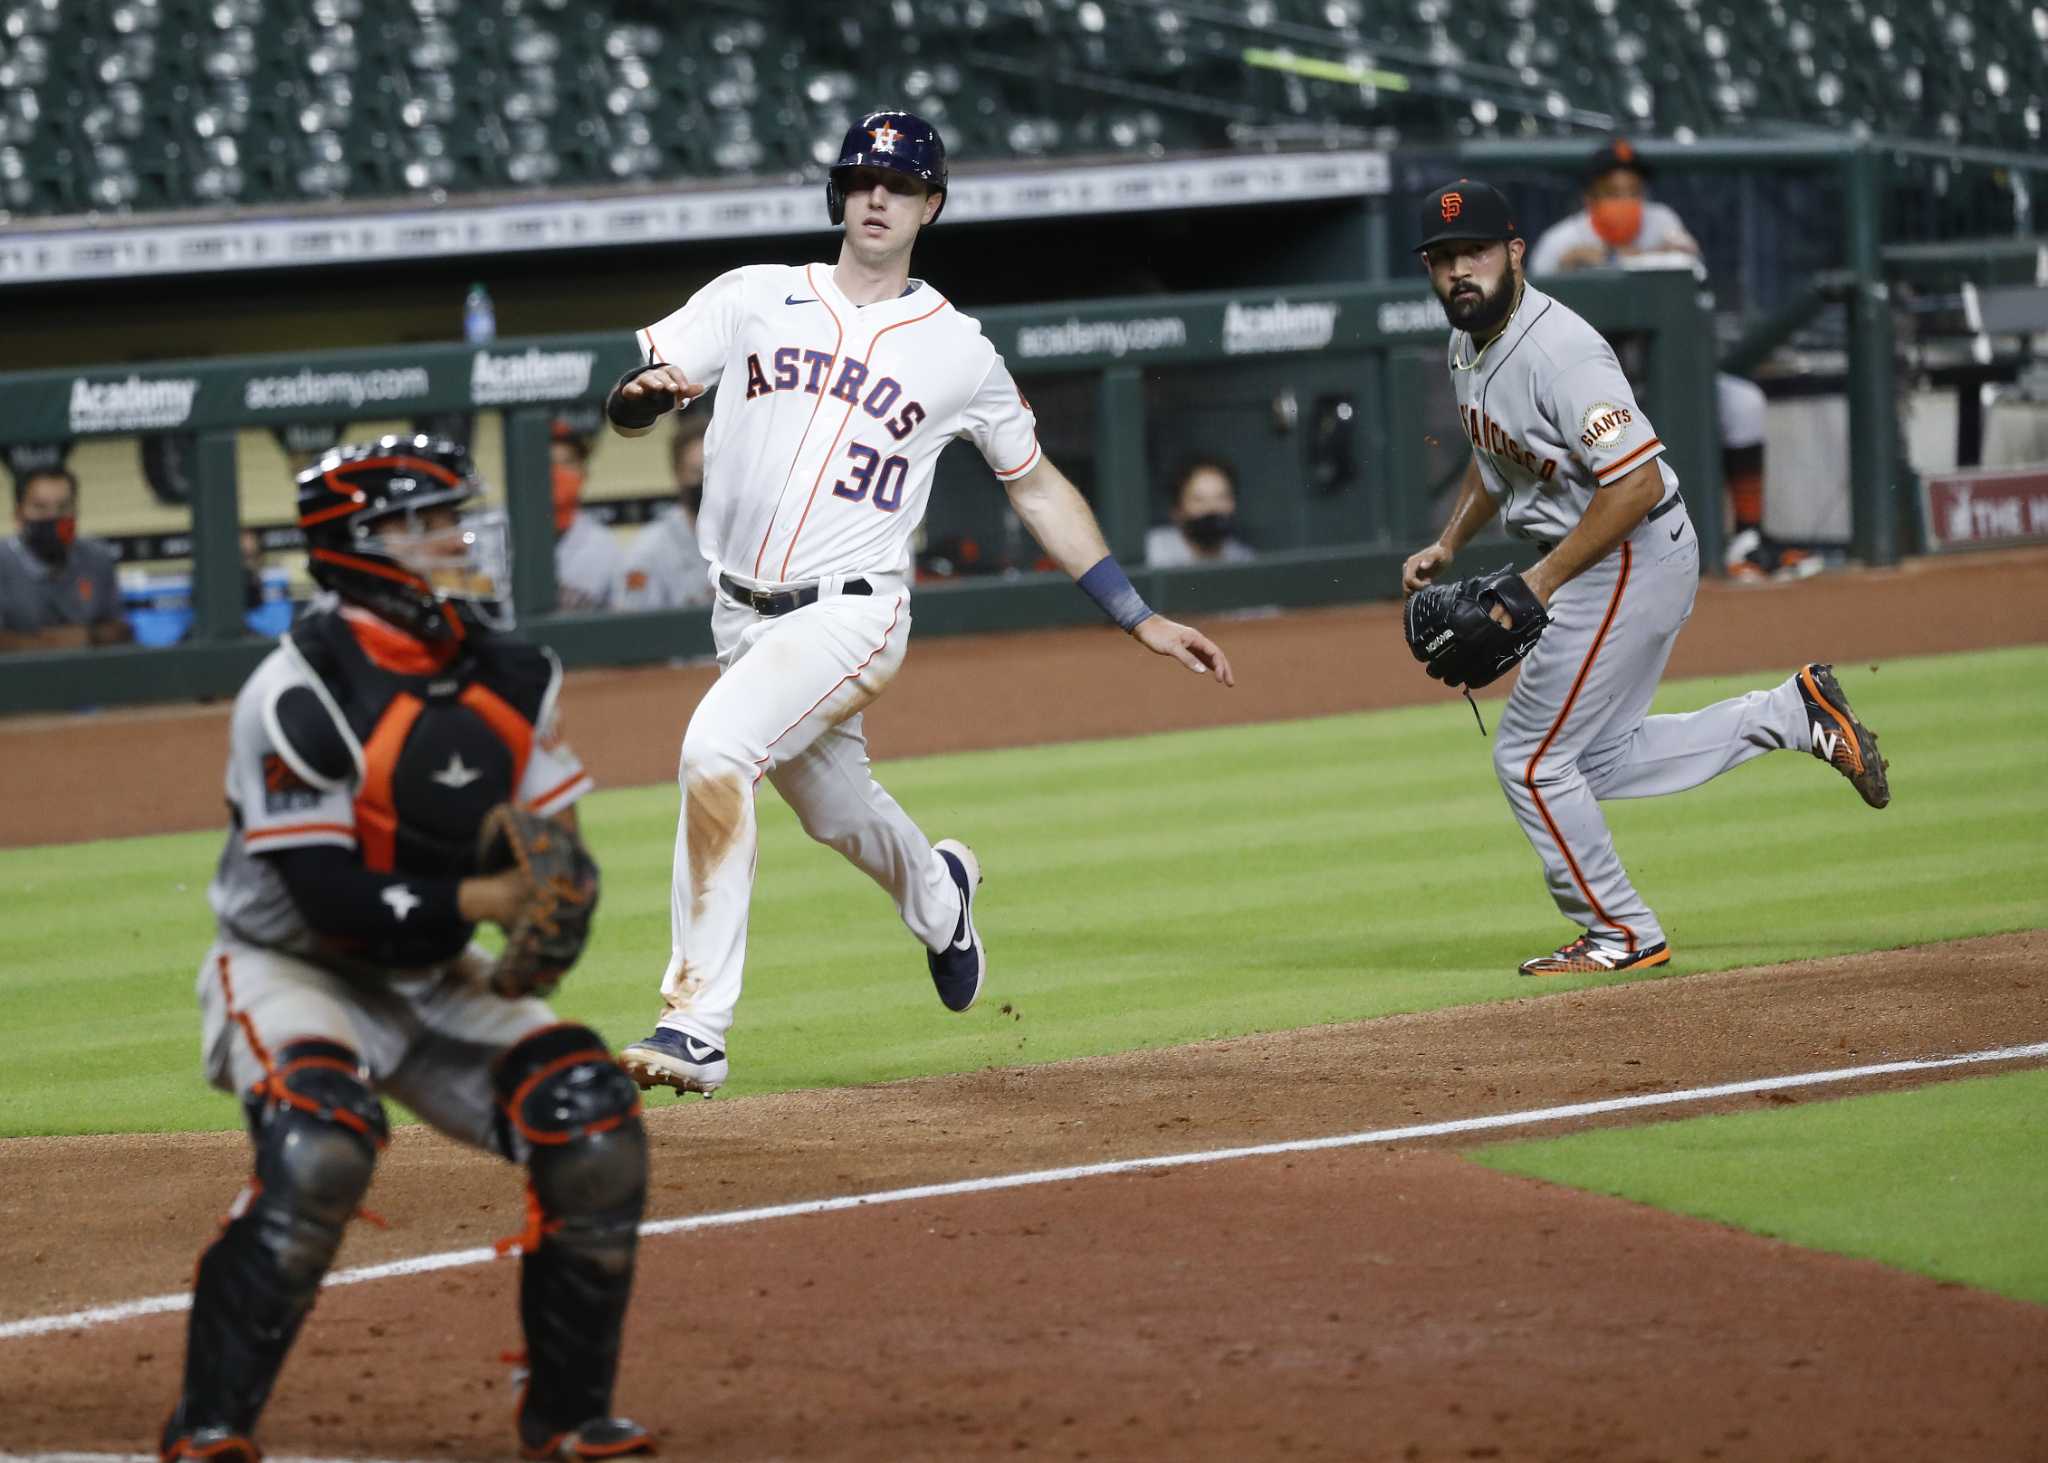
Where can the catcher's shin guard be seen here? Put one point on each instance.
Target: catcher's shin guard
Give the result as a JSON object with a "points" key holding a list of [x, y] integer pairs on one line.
{"points": [[317, 1128], [579, 1115]]}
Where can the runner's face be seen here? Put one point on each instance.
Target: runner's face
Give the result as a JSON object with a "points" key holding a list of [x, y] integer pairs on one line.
{"points": [[884, 211]]}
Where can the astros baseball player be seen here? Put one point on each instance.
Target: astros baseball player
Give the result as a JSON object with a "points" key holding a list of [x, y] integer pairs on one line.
{"points": [[1563, 453], [842, 384]]}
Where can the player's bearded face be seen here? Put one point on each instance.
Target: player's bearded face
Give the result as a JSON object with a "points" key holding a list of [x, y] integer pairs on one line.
{"points": [[1477, 286]]}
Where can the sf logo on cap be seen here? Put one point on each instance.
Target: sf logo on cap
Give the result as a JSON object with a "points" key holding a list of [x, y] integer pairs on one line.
{"points": [[1454, 204]]}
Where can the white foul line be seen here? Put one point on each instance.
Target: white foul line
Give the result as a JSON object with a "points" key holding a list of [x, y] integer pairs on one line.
{"points": [[451, 1259]]}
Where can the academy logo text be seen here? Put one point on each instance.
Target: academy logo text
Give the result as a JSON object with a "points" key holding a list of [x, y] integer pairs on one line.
{"points": [[530, 375], [1101, 337], [353, 389], [1280, 326], [134, 405]]}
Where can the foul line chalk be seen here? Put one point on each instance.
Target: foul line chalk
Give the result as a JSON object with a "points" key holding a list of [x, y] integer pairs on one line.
{"points": [[1532, 1117]]}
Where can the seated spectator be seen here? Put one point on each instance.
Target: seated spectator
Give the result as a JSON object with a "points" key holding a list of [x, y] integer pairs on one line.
{"points": [[665, 569], [1620, 221], [589, 566], [57, 591], [1204, 526]]}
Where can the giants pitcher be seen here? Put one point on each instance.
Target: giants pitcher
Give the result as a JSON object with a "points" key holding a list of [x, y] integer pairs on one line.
{"points": [[1563, 453]]}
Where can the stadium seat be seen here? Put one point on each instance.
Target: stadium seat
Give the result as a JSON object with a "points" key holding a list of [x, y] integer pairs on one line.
{"points": [[137, 105]]}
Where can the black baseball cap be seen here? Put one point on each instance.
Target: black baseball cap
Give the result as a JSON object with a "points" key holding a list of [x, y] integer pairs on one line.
{"points": [[1618, 154], [1466, 209]]}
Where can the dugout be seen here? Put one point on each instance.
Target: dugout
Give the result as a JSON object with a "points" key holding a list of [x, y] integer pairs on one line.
{"points": [[1333, 402]]}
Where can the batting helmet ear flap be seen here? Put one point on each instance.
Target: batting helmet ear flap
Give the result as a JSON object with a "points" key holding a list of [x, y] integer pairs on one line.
{"points": [[835, 201]]}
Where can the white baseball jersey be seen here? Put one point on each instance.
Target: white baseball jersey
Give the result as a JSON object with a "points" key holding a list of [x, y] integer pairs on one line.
{"points": [[1551, 417], [822, 445]]}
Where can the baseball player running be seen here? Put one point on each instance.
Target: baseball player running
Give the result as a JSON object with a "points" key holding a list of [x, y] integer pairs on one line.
{"points": [[1563, 453], [842, 384], [366, 754]]}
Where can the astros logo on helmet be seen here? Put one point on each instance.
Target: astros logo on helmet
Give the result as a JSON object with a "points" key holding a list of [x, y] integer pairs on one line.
{"points": [[1454, 204]]}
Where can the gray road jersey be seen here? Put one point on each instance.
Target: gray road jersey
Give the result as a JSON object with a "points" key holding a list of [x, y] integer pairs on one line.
{"points": [[281, 803], [665, 569], [84, 590], [1550, 416], [1660, 227]]}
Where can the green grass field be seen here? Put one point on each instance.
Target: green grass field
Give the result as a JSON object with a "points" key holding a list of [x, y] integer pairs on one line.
{"points": [[1140, 893], [1949, 1180]]}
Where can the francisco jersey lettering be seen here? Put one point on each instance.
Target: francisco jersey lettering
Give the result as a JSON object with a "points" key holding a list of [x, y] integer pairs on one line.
{"points": [[822, 445], [1551, 417]]}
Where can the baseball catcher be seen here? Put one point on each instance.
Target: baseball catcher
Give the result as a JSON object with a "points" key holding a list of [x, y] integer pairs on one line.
{"points": [[1470, 632], [396, 776]]}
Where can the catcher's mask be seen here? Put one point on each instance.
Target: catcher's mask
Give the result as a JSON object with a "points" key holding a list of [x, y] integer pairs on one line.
{"points": [[898, 141], [365, 510]]}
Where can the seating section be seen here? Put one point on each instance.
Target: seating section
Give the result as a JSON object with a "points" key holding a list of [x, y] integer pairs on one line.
{"points": [[113, 106]]}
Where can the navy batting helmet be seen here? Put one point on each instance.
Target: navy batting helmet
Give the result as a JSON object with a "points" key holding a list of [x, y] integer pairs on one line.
{"points": [[898, 141]]}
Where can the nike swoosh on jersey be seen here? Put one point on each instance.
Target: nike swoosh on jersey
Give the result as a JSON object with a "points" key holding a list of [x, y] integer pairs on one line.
{"points": [[793, 300], [1676, 532]]}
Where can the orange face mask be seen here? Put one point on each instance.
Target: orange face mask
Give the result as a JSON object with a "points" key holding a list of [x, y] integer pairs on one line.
{"points": [[568, 493], [1618, 220]]}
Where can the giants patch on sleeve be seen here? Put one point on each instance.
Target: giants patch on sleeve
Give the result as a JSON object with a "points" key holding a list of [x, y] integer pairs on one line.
{"points": [[1603, 424], [284, 791]]}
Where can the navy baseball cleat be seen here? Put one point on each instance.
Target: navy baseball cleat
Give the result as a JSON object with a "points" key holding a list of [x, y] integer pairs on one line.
{"points": [[603, 1437], [960, 968], [671, 1058], [1838, 738], [213, 1444]]}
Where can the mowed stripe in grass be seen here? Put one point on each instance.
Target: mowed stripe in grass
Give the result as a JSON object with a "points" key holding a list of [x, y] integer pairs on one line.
{"points": [[1140, 893], [1948, 1180]]}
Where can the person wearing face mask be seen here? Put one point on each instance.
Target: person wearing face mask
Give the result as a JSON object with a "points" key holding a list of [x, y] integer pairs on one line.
{"points": [[1204, 526], [589, 565], [57, 591], [1618, 223], [665, 569]]}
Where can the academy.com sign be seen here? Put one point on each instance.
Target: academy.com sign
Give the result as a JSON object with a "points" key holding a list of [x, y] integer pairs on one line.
{"points": [[353, 389], [134, 405], [1280, 326], [529, 375], [1073, 337]]}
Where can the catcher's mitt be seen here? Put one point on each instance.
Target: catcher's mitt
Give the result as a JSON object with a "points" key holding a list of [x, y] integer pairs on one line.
{"points": [[554, 914], [1450, 628]]}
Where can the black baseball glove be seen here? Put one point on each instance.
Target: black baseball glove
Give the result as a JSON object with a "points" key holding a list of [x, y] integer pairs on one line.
{"points": [[1450, 627], [553, 923]]}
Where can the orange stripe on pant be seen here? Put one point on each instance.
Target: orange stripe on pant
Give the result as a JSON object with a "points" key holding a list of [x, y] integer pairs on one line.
{"points": [[1529, 772]]}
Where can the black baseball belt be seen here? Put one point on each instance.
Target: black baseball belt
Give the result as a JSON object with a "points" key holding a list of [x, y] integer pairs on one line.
{"points": [[1676, 500], [772, 602]]}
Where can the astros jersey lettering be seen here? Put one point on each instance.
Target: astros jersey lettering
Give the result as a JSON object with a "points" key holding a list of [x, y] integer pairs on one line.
{"points": [[832, 416], [1551, 417]]}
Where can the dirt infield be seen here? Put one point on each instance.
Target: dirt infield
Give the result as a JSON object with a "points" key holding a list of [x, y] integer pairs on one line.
{"points": [[1385, 1301]]}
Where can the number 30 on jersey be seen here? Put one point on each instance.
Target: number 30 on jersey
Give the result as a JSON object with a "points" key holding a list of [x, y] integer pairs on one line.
{"points": [[887, 483]]}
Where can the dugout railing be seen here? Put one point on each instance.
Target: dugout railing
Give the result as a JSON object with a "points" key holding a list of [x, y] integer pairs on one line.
{"points": [[1343, 487]]}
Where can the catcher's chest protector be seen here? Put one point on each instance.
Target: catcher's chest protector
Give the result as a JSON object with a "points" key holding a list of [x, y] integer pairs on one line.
{"points": [[439, 750]]}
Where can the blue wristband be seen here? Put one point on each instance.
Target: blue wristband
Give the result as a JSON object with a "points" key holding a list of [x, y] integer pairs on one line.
{"points": [[1108, 585]]}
